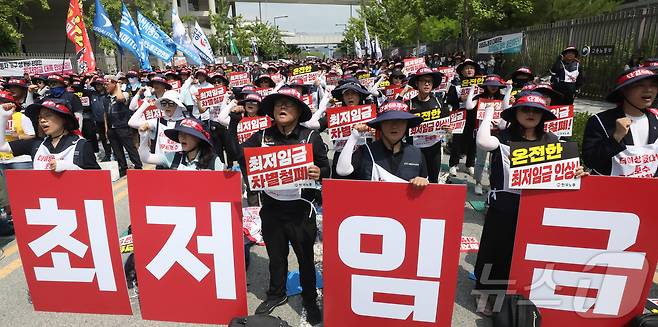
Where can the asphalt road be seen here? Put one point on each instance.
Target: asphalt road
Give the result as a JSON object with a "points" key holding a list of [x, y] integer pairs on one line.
{"points": [[17, 311]]}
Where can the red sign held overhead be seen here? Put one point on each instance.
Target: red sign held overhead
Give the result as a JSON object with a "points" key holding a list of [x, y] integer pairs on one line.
{"points": [[386, 265], [411, 65], [563, 125], [189, 256], [212, 96], [587, 258], [341, 119], [238, 79], [151, 111], [250, 125], [68, 241]]}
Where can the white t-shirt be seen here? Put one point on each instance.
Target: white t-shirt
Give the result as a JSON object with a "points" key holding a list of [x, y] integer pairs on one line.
{"points": [[28, 129], [639, 129], [194, 92]]}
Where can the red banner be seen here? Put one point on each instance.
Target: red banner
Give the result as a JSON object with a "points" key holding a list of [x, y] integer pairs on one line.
{"points": [[309, 78], [67, 238], [411, 65], [563, 125], [587, 258], [448, 75], [279, 167], [264, 91], [77, 33], [484, 103], [151, 111], [212, 96], [386, 265], [189, 256], [238, 79], [250, 125], [393, 91], [458, 121], [341, 119]]}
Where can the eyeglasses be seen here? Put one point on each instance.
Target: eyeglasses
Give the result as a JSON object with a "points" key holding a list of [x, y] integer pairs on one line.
{"points": [[425, 81], [167, 103]]}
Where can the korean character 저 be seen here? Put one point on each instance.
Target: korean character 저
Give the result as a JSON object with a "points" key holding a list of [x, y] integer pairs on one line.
{"points": [[526, 176], [257, 182], [537, 153], [269, 160], [553, 151], [286, 176], [272, 179], [300, 173], [284, 157], [344, 117], [255, 163], [520, 156], [299, 155], [356, 114]]}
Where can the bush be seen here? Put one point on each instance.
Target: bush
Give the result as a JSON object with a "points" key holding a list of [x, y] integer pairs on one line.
{"points": [[579, 122]]}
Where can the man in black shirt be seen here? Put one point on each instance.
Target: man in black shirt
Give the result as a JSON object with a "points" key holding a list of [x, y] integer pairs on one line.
{"points": [[290, 220], [116, 125]]}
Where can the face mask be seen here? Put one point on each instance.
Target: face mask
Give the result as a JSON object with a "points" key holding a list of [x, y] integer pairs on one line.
{"points": [[57, 91]]}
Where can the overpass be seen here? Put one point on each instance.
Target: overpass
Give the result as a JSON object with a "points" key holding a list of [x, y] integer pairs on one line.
{"points": [[311, 2], [313, 39]]}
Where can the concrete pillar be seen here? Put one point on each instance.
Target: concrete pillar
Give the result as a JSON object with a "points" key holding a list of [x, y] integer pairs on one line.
{"points": [[213, 11]]}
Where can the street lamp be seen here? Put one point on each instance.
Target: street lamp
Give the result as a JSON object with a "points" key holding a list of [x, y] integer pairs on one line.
{"points": [[277, 17]]}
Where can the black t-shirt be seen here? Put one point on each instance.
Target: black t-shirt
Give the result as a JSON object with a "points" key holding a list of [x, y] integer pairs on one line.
{"points": [[85, 160]]}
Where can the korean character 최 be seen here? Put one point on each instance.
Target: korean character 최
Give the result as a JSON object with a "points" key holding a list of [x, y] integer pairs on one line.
{"points": [[537, 153], [516, 177], [284, 157], [286, 176], [299, 154], [334, 120], [272, 179], [553, 151], [269, 160], [520, 156], [255, 163]]}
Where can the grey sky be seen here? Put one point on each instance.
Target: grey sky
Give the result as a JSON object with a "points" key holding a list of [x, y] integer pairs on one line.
{"points": [[311, 19]]}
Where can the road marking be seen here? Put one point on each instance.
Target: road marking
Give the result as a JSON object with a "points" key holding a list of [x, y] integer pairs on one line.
{"points": [[10, 249], [8, 269]]}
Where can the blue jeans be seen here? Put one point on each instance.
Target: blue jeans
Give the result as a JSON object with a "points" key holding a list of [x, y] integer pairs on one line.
{"points": [[4, 198]]}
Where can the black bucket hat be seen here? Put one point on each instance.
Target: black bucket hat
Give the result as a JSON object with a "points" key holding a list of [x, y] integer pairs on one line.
{"points": [[627, 78], [161, 80], [436, 77], [532, 100], [349, 84], [523, 71], [570, 49], [251, 97], [266, 78], [467, 62], [267, 105], [218, 76], [59, 106], [493, 80], [189, 126], [651, 63], [395, 110]]}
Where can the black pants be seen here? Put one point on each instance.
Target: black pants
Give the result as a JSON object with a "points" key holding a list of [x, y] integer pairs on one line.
{"points": [[301, 234], [463, 144], [494, 260], [432, 156], [100, 126], [217, 137], [89, 131], [121, 138]]}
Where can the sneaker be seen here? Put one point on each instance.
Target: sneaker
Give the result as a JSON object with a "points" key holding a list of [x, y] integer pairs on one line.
{"points": [[478, 189], [471, 171], [453, 171], [313, 313], [269, 305]]}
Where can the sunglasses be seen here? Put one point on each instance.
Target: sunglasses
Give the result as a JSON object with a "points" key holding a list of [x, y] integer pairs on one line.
{"points": [[527, 110], [167, 103]]}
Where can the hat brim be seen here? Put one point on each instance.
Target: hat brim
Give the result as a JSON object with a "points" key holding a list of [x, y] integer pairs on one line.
{"points": [[436, 79], [166, 84], [491, 83], [571, 50], [412, 120], [179, 103], [172, 134], [337, 93], [224, 79], [32, 112], [517, 73], [615, 96], [509, 114], [267, 106], [260, 79]]}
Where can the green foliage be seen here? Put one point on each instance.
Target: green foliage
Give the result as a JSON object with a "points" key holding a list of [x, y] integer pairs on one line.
{"points": [[13, 13], [579, 122], [267, 37]]}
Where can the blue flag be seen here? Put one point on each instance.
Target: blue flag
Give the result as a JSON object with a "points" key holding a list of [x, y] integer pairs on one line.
{"points": [[103, 25], [130, 39], [155, 40], [182, 40]]}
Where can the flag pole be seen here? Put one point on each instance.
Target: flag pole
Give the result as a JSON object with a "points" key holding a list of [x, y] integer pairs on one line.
{"points": [[66, 39]]}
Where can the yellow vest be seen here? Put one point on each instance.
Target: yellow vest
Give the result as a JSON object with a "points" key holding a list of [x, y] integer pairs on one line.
{"points": [[14, 124]]}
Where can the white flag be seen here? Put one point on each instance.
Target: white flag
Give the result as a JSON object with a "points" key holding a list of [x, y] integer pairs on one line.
{"points": [[200, 42], [357, 48], [378, 49], [368, 44]]}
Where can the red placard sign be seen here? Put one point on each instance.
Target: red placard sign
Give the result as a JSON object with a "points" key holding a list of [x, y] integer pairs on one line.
{"points": [[341, 119], [411, 65], [586, 258], [393, 91], [250, 125], [448, 75], [68, 241], [458, 121], [151, 111], [176, 85], [212, 96], [386, 265], [189, 247], [563, 125], [264, 91], [238, 79], [484, 103], [279, 167]]}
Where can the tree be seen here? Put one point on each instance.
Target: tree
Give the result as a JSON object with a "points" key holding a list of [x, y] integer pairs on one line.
{"points": [[12, 15], [267, 37]]}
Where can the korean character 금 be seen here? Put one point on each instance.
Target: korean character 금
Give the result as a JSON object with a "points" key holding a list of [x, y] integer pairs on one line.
{"points": [[520, 156], [299, 155], [366, 113], [284, 157], [553, 151]]}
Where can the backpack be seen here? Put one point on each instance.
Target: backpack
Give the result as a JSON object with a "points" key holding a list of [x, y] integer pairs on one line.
{"points": [[517, 311], [258, 321], [645, 320]]}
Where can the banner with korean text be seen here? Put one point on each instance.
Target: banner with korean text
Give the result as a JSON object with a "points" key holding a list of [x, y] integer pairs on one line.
{"points": [[386, 265], [544, 166], [563, 125], [282, 167], [35, 67], [238, 79], [68, 242], [411, 65], [248, 126], [189, 246], [587, 258], [212, 98], [342, 119]]}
